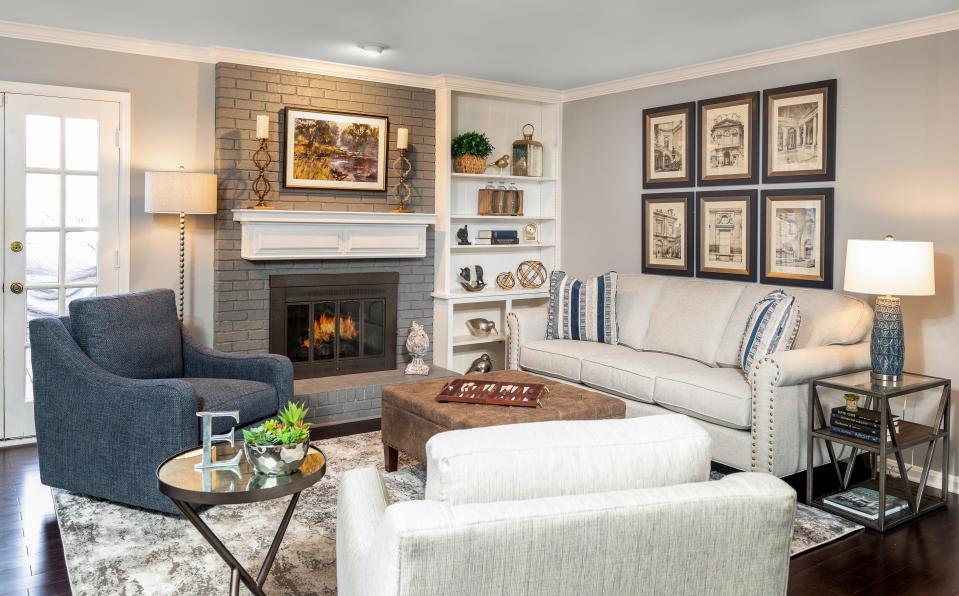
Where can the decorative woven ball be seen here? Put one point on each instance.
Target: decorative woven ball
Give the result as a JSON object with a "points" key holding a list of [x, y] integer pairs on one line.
{"points": [[506, 280], [531, 274]]}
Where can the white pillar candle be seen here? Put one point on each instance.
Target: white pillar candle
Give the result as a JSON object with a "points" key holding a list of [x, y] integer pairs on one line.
{"points": [[262, 126], [402, 138]]}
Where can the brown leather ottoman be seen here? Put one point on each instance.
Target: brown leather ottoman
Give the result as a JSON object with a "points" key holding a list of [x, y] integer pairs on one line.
{"points": [[411, 414]]}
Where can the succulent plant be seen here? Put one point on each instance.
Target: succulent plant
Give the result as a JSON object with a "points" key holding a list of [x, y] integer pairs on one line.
{"points": [[288, 428]]}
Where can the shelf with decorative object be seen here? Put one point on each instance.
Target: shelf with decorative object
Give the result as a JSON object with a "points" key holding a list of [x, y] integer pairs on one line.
{"points": [[504, 178], [470, 205], [471, 340], [503, 247]]}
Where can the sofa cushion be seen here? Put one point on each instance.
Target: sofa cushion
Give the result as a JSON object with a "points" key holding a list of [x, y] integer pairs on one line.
{"points": [[636, 295], [772, 327], [135, 335], [254, 400], [516, 462], [719, 395], [828, 318], [561, 357], [633, 374], [582, 309], [690, 317]]}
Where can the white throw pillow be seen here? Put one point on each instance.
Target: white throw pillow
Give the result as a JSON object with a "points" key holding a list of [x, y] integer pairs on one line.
{"points": [[772, 327]]}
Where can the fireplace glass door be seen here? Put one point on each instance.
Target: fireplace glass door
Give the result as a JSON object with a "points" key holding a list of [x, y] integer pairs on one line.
{"points": [[330, 324]]}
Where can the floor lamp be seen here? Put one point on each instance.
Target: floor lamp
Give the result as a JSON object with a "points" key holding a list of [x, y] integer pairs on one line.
{"points": [[182, 193]]}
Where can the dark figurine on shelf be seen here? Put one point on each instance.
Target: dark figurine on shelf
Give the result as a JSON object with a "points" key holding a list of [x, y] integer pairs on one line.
{"points": [[462, 237], [471, 278], [483, 364]]}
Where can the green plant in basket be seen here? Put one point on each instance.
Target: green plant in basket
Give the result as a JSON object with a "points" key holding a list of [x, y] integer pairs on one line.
{"points": [[472, 143], [288, 428]]}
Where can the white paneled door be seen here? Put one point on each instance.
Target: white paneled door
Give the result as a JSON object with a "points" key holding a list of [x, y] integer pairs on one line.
{"points": [[61, 224]]}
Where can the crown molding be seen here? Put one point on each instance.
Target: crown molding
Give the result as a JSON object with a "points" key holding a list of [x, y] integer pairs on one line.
{"points": [[104, 41], [940, 23]]}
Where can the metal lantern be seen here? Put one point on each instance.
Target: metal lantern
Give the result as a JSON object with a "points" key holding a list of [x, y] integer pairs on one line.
{"points": [[527, 154]]}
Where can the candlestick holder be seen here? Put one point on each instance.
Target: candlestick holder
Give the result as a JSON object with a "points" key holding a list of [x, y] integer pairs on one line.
{"points": [[261, 186], [402, 190]]}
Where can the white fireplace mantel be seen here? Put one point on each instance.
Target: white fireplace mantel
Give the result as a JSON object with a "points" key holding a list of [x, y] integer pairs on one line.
{"points": [[269, 234]]}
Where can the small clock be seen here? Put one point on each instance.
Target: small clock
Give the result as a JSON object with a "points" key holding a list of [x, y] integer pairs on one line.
{"points": [[531, 232]]}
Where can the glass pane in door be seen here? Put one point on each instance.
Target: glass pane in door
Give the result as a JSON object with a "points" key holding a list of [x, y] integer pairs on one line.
{"points": [[81, 257], [82, 146], [349, 332], [374, 328], [43, 302], [42, 141], [81, 199], [298, 332], [42, 200], [42, 257]]}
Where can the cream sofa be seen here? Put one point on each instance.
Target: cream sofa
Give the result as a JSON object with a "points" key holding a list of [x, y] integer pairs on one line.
{"points": [[612, 507], [679, 341]]}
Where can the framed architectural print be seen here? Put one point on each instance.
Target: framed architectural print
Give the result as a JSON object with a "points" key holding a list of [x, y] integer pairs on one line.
{"points": [[335, 151], [796, 237], [726, 235], [729, 140], [667, 234], [668, 148], [800, 144]]}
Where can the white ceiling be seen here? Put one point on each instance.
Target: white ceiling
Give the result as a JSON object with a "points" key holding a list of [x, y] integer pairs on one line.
{"points": [[559, 44]]}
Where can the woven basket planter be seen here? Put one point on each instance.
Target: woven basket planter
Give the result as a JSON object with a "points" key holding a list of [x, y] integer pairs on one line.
{"points": [[469, 164]]}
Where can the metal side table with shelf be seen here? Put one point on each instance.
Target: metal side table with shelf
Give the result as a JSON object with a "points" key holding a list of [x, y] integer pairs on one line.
{"points": [[920, 497]]}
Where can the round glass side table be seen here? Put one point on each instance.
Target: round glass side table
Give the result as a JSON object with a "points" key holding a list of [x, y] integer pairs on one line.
{"points": [[188, 487]]}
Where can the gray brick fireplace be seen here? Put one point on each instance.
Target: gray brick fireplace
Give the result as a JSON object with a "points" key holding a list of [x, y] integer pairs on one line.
{"points": [[242, 287]]}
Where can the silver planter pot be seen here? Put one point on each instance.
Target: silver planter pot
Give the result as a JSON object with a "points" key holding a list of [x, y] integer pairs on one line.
{"points": [[276, 460]]}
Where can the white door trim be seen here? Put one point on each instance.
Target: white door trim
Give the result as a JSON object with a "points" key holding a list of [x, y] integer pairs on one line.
{"points": [[123, 99]]}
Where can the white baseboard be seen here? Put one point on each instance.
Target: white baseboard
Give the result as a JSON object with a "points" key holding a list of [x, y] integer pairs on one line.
{"points": [[935, 477], [17, 442]]}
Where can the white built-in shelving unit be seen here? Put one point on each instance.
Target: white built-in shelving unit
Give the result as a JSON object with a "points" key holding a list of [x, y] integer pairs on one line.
{"points": [[501, 114]]}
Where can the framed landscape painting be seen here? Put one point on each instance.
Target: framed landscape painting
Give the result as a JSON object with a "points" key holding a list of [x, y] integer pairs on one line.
{"points": [[726, 235], [800, 133], [729, 140], [797, 237], [335, 151], [668, 147], [667, 235]]}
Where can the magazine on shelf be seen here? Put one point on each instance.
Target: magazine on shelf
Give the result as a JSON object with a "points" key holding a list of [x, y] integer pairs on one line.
{"points": [[864, 502]]}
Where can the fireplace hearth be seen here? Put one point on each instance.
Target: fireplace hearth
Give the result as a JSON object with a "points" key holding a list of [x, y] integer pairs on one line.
{"points": [[334, 324]]}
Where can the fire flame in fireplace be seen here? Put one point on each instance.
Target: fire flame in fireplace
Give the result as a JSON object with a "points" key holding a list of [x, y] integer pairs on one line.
{"points": [[324, 329]]}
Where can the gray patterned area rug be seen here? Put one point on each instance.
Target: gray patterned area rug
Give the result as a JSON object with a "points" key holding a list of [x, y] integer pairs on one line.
{"points": [[117, 550]]}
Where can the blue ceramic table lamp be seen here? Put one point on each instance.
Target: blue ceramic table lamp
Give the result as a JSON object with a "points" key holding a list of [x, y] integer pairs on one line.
{"points": [[889, 269]]}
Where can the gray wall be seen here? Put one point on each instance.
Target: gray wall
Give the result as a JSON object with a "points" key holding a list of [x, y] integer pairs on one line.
{"points": [[242, 287], [897, 170], [172, 125]]}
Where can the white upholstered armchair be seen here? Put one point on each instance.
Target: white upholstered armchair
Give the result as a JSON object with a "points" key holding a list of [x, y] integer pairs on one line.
{"points": [[611, 507]]}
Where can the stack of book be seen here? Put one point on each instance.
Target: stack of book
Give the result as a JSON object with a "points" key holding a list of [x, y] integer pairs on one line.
{"points": [[862, 424], [497, 237], [864, 502]]}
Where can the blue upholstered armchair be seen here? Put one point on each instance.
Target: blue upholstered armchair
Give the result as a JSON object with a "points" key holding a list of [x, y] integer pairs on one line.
{"points": [[117, 386]]}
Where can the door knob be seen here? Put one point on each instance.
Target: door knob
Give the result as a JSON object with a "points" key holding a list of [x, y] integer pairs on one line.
{"points": [[16, 246], [16, 287]]}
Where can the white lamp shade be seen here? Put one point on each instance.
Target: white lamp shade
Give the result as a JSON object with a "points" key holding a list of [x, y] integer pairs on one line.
{"points": [[890, 267], [180, 192]]}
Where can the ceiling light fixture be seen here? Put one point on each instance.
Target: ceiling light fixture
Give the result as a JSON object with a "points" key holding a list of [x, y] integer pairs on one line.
{"points": [[373, 49]]}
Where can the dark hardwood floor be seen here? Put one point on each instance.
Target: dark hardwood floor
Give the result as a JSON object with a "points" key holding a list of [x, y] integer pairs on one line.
{"points": [[921, 558]]}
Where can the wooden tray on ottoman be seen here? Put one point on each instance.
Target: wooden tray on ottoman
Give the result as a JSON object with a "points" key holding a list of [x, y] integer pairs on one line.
{"points": [[492, 393]]}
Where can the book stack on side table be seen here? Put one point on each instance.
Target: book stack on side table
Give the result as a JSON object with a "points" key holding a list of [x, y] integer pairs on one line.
{"points": [[860, 424], [497, 237]]}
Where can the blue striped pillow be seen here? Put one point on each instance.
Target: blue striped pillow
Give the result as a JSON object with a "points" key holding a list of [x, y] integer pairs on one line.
{"points": [[582, 310], [772, 327]]}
